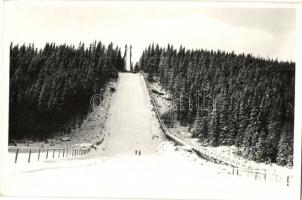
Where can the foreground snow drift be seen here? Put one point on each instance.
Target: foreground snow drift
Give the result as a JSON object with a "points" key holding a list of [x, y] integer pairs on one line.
{"points": [[170, 176]]}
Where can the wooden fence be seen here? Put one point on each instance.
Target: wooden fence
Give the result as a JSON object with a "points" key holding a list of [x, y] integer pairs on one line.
{"points": [[233, 166], [37, 154]]}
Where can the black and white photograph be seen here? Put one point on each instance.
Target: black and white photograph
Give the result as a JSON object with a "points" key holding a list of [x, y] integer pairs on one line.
{"points": [[150, 100]]}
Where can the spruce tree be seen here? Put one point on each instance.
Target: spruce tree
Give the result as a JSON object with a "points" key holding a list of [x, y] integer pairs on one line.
{"points": [[243, 123], [282, 149], [224, 120], [201, 127], [213, 136], [261, 147]]}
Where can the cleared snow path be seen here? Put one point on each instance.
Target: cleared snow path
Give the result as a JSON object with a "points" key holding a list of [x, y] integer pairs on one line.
{"points": [[115, 171], [130, 125]]}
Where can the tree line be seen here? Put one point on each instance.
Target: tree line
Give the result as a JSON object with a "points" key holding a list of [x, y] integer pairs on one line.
{"points": [[245, 101], [50, 88]]}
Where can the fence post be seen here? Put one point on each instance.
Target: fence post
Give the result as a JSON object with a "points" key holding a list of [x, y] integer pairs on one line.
{"points": [[63, 152], [16, 157], [287, 180], [265, 175], [66, 152], [53, 155], [29, 155], [39, 155], [46, 154]]}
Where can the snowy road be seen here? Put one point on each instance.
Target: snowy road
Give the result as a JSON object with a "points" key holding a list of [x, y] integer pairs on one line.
{"points": [[115, 171]]}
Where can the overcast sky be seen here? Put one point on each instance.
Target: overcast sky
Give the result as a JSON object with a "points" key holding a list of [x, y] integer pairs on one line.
{"points": [[268, 32]]}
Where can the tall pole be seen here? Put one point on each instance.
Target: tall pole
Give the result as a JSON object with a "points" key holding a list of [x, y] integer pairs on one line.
{"points": [[130, 58], [125, 58]]}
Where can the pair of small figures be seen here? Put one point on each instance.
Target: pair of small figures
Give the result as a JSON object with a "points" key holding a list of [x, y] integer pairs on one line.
{"points": [[138, 152]]}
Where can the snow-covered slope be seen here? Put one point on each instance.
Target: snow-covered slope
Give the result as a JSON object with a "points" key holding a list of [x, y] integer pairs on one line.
{"points": [[161, 171], [131, 123]]}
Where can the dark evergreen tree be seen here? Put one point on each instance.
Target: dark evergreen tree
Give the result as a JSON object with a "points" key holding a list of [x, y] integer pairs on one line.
{"points": [[261, 153], [213, 136], [201, 126]]}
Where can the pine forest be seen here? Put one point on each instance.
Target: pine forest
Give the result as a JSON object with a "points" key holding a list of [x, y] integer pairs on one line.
{"points": [[244, 100], [50, 88]]}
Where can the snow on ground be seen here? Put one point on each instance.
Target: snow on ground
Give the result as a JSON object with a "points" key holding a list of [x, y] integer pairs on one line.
{"points": [[138, 177], [229, 152], [130, 125], [164, 170]]}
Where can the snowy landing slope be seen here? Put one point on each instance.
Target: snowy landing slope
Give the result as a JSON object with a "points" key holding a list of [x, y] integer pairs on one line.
{"points": [[115, 171], [131, 124]]}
